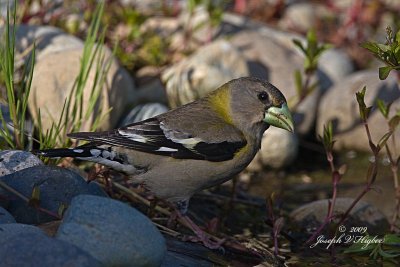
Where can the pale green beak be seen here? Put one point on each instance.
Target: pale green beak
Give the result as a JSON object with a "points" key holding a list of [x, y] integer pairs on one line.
{"points": [[279, 117]]}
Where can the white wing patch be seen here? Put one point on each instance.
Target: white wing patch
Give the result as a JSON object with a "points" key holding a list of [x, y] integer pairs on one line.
{"points": [[167, 149], [180, 138], [133, 136]]}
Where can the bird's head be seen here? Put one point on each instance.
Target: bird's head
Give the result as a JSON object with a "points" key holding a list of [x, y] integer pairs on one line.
{"points": [[251, 101]]}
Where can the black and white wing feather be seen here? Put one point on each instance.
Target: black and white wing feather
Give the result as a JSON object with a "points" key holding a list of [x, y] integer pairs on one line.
{"points": [[156, 137]]}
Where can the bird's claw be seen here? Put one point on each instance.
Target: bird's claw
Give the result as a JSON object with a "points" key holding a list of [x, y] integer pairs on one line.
{"points": [[206, 241]]}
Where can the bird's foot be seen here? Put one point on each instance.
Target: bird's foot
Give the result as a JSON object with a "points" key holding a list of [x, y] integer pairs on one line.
{"points": [[208, 241]]}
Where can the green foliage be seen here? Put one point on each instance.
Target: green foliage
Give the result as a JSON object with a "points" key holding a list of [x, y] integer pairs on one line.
{"points": [[388, 53], [362, 107], [389, 248], [312, 50], [16, 94], [327, 137], [215, 9], [73, 114]]}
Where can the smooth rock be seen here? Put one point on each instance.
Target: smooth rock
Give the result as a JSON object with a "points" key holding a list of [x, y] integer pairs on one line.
{"points": [[191, 79], [383, 196], [196, 27], [47, 39], [143, 112], [5, 217], [57, 186], [340, 106], [37, 249], [10, 230], [52, 83], [335, 65], [161, 25], [112, 232], [310, 216], [300, 16], [273, 153], [16, 160]]}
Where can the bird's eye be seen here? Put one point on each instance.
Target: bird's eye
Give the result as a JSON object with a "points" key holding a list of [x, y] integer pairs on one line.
{"points": [[263, 96]]}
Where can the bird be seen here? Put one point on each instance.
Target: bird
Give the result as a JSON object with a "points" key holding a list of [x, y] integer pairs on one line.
{"points": [[192, 147]]}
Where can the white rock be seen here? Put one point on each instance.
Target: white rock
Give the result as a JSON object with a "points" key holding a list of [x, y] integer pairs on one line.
{"points": [[53, 80], [16, 160], [279, 149]]}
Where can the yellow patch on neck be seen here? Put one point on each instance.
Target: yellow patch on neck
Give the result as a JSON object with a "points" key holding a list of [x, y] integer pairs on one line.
{"points": [[220, 102]]}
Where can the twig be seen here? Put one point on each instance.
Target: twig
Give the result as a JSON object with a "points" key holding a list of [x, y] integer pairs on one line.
{"points": [[27, 200], [140, 198]]}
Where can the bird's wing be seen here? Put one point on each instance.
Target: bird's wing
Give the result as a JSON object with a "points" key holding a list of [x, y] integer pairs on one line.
{"points": [[157, 136]]}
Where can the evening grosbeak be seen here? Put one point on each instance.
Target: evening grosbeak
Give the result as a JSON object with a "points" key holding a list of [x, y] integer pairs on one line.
{"points": [[193, 147]]}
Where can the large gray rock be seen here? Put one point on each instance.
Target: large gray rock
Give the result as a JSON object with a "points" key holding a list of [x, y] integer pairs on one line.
{"points": [[16, 160], [208, 68], [310, 216], [10, 230], [37, 249], [112, 232], [57, 186], [339, 105], [335, 65], [55, 74], [5, 217]]}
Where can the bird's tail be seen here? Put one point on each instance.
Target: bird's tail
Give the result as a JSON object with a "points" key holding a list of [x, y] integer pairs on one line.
{"points": [[81, 152], [102, 154]]}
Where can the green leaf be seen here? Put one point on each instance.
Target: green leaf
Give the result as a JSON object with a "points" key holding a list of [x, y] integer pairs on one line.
{"points": [[298, 79], [364, 111], [384, 48], [383, 140], [298, 43], [387, 254], [61, 209], [359, 247], [35, 197], [383, 108], [371, 47], [394, 122], [392, 239], [397, 36], [384, 72], [328, 137]]}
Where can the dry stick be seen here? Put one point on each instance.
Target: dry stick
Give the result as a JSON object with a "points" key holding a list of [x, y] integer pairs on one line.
{"points": [[24, 198]]}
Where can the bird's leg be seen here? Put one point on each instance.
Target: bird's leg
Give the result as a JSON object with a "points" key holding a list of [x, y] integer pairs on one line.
{"points": [[201, 236]]}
